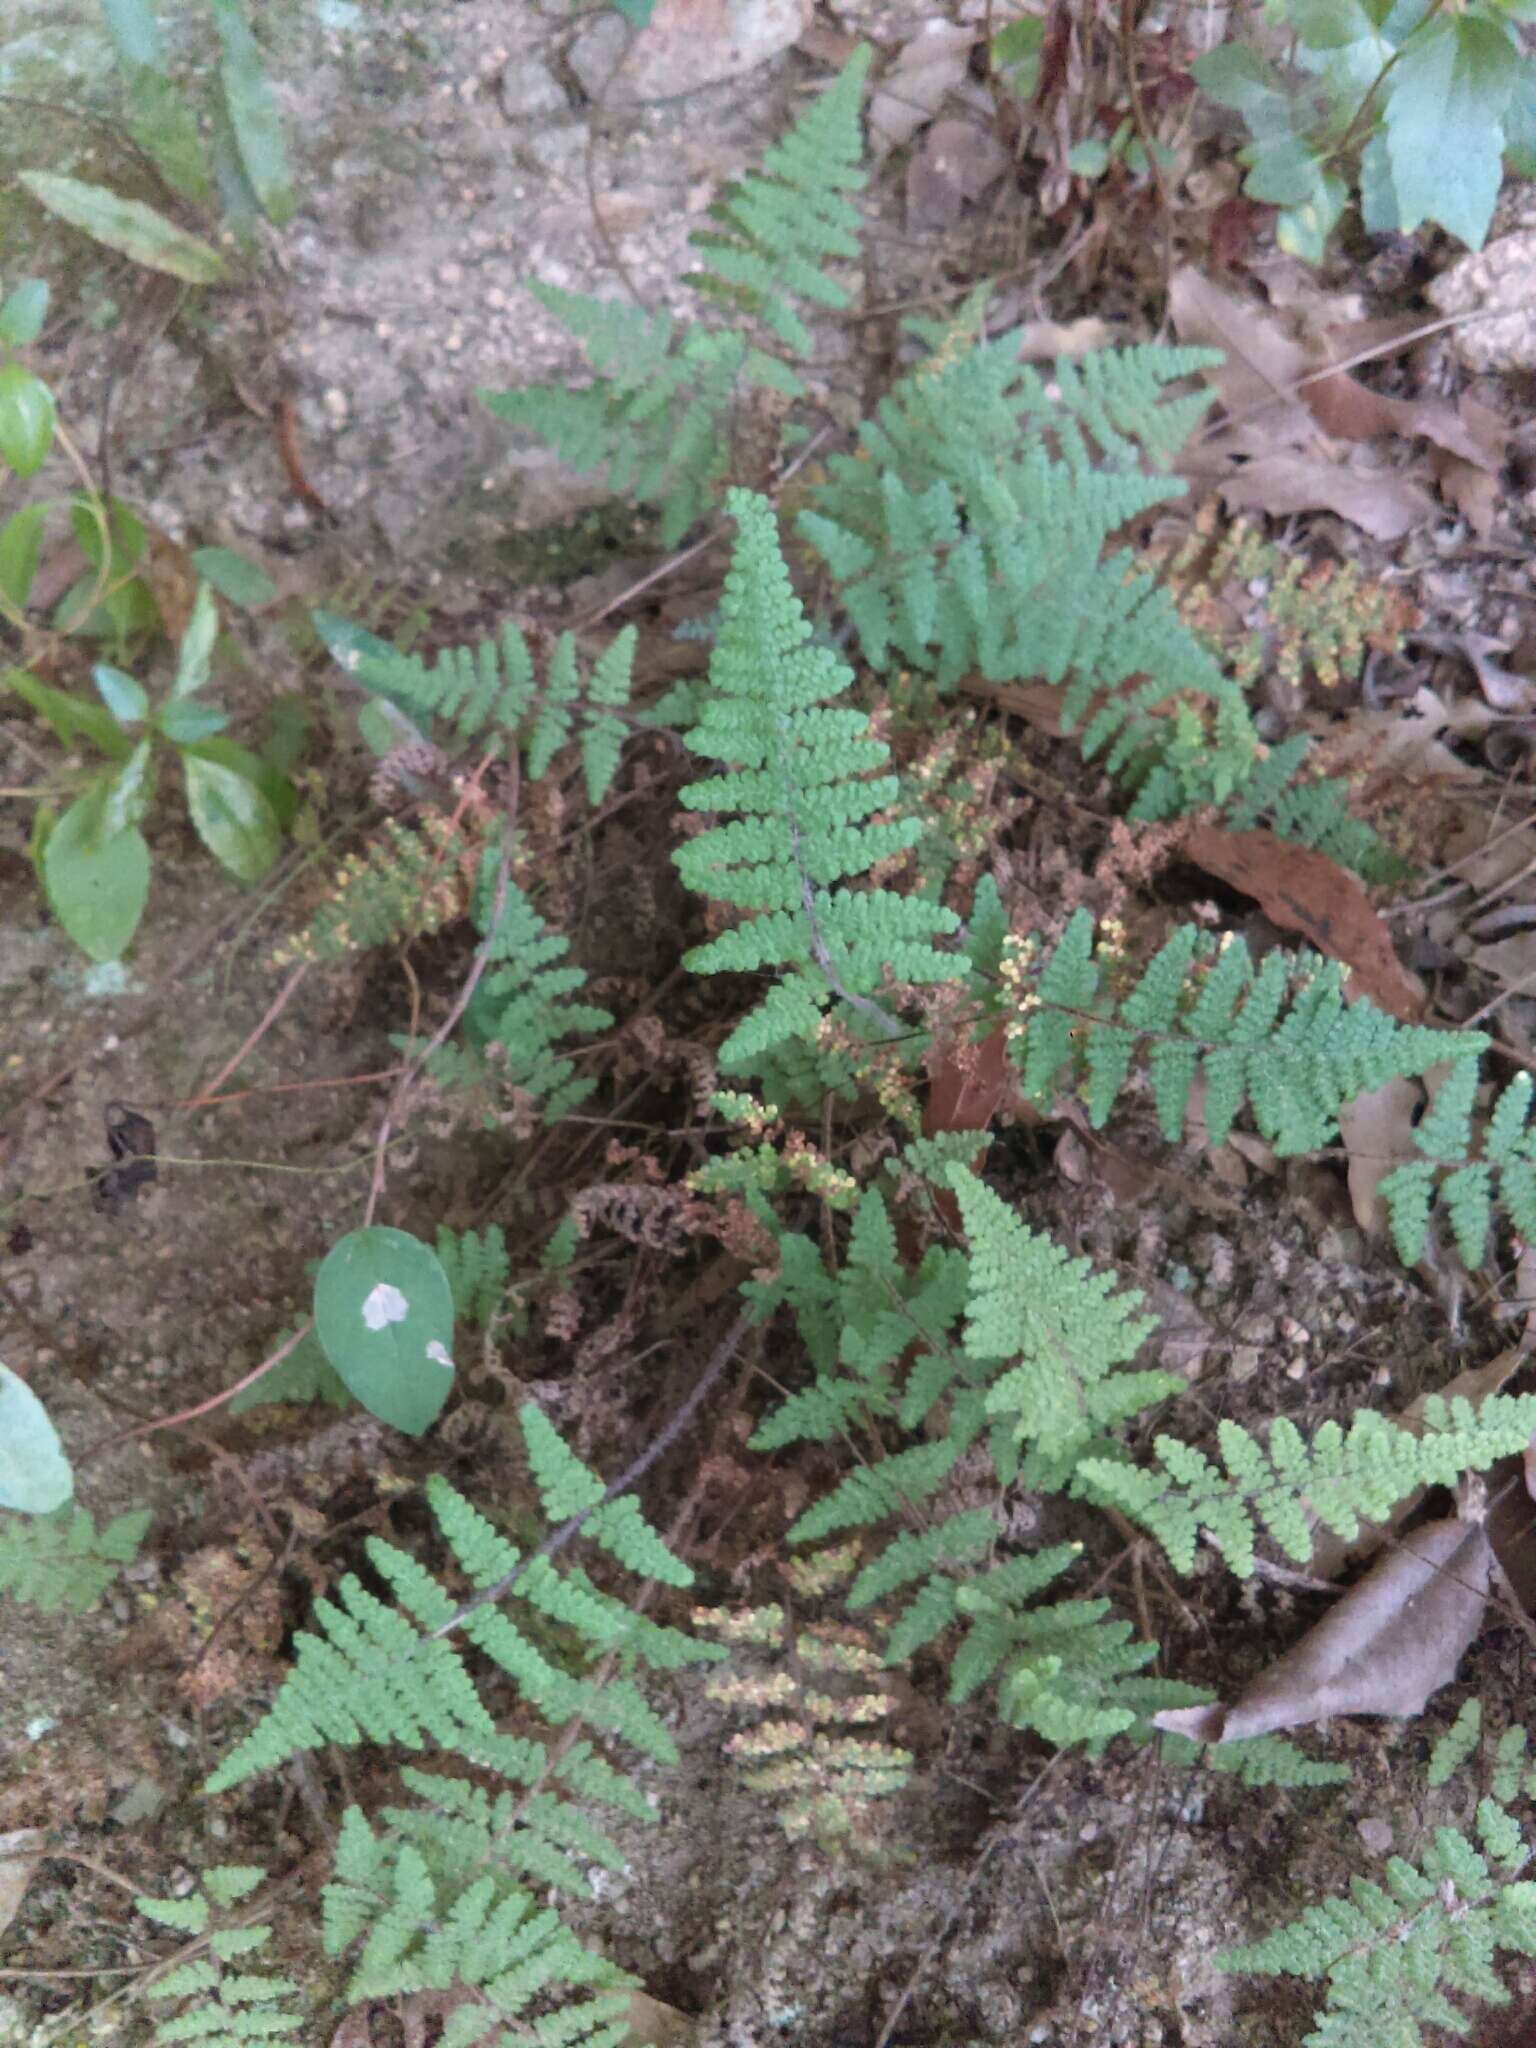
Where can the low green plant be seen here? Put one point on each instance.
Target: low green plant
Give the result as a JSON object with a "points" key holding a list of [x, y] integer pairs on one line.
{"points": [[1414, 110], [226, 160], [92, 856]]}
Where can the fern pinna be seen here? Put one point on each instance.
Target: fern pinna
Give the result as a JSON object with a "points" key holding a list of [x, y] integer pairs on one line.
{"points": [[62, 1560], [450, 1890], [803, 781], [658, 414], [488, 693]]}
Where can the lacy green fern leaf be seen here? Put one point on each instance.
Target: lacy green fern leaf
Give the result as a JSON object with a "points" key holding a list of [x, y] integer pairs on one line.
{"points": [[777, 229], [522, 1008], [63, 1560], [477, 1267], [487, 693], [228, 2007], [1468, 1190], [1064, 1326], [968, 533], [1398, 1956], [1341, 1478], [658, 414], [804, 784]]}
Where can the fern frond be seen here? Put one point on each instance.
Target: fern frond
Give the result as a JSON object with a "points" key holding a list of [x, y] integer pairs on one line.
{"points": [[776, 229], [477, 1267], [1399, 1955], [1470, 1174], [804, 784], [522, 1008], [63, 1560], [1338, 1479]]}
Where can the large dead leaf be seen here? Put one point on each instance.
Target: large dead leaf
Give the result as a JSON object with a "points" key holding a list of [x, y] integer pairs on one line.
{"points": [[20, 1861], [1302, 890], [1392, 1641], [1289, 407], [1377, 1129], [956, 162]]}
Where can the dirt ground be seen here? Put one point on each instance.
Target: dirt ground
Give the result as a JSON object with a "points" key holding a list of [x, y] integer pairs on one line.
{"points": [[448, 153]]}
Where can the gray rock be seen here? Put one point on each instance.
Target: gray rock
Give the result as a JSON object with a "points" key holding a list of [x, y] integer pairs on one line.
{"points": [[530, 89]]}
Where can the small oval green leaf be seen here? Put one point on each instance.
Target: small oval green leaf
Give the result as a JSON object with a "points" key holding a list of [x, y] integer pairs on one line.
{"points": [[184, 723], [97, 886], [21, 548], [127, 225], [384, 1315], [26, 419], [35, 1476], [196, 649], [233, 819]]}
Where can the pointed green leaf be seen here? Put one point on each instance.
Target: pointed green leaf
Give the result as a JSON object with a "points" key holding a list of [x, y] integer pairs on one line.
{"points": [[127, 225], [127, 700], [384, 1314], [22, 315], [253, 113], [233, 819], [196, 645], [184, 724], [128, 793], [166, 129], [242, 582], [1445, 123], [96, 886], [21, 547], [35, 1477], [26, 419], [69, 717]]}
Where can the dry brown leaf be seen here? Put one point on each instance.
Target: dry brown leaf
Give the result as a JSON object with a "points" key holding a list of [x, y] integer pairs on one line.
{"points": [[1302, 890], [20, 1860], [1472, 491], [1377, 1129], [955, 162], [1392, 1641], [932, 64], [1045, 340], [1380, 502]]}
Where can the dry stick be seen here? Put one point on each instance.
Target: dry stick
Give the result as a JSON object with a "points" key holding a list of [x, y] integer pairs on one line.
{"points": [[275, 1009], [556, 1541], [203, 1407]]}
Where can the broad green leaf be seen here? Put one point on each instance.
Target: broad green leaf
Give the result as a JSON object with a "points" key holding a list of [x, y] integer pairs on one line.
{"points": [[70, 718], [1089, 159], [242, 582], [184, 723], [21, 547], [166, 129], [97, 887], [1283, 171], [1378, 196], [233, 819], [253, 113], [1016, 51], [1330, 24], [22, 315], [636, 12], [1444, 116], [196, 648], [384, 1315], [126, 699], [135, 32], [1520, 123], [257, 770], [1235, 75], [26, 419], [35, 1477], [128, 793], [127, 225]]}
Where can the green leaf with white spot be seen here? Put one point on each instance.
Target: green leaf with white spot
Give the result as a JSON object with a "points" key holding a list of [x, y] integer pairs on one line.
{"points": [[233, 818], [35, 1477], [384, 1316]]}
